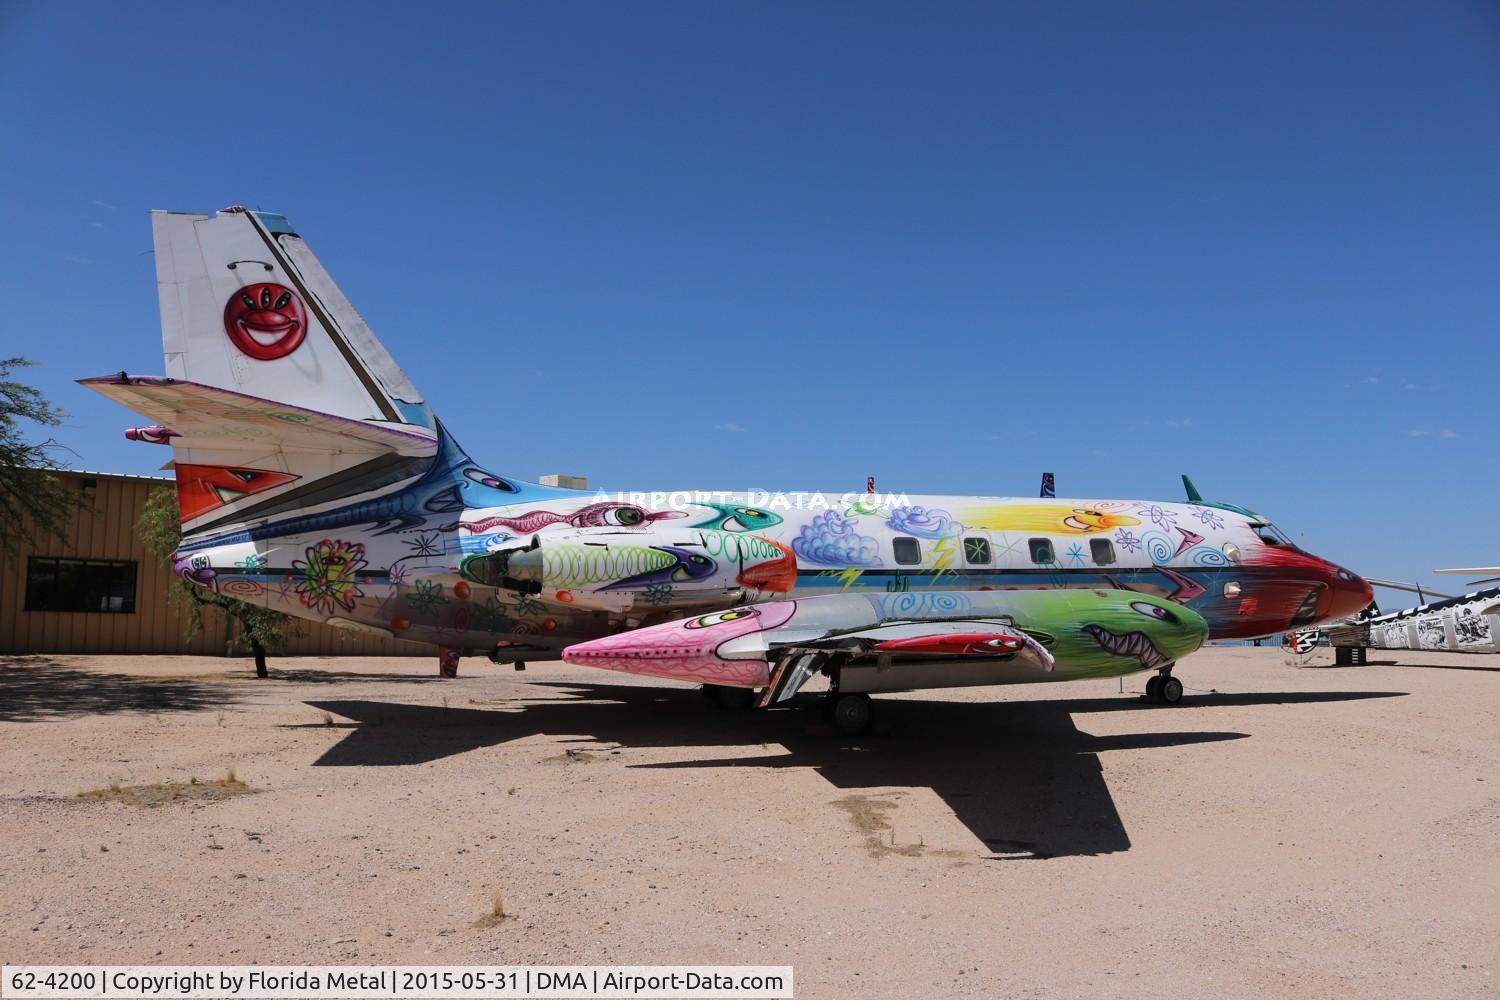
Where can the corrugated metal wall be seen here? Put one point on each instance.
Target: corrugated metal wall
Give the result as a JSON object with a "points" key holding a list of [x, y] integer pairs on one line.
{"points": [[106, 530]]}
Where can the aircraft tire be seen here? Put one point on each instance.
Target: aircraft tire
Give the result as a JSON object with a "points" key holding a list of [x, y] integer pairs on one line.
{"points": [[1153, 687], [1169, 692], [851, 713]]}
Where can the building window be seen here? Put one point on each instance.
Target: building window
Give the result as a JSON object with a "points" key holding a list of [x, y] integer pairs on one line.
{"points": [[1103, 551], [54, 584], [1041, 551], [908, 551], [977, 551]]}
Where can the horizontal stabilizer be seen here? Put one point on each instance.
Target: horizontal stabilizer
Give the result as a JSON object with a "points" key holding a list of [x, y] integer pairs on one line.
{"points": [[203, 415], [238, 456]]}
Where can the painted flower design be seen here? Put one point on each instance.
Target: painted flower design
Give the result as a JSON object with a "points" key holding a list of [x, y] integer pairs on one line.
{"points": [[1127, 541], [1075, 553], [330, 575], [658, 593], [1208, 517]]}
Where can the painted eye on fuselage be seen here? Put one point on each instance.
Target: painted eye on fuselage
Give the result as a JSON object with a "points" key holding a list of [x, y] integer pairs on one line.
{"points": [[1152, 611], [747, 519], [626, 517], [708, 621], [486, 479]]}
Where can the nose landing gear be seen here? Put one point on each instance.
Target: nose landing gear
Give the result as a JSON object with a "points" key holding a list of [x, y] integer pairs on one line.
{"points": [[1164, 688]]}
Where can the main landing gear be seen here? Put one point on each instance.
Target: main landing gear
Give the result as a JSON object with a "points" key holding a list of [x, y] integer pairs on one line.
{"points": [[850, 713], [732, 698], [1164, 688]]}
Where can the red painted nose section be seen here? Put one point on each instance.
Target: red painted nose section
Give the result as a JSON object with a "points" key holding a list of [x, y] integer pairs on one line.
{"points": [[1349, 595]]}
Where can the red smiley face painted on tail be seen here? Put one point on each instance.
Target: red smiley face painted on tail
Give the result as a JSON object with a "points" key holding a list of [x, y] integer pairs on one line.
{"points": [[265, 321]]}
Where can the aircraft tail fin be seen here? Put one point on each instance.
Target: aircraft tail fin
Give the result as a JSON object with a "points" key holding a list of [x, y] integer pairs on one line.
{"points": [[245, 305], [283, 410]]}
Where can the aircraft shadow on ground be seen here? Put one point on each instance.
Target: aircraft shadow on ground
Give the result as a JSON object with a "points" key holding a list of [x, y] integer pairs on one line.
{"points": [[1493, 668], [314, 676], [1019, 775], [37, 688]]}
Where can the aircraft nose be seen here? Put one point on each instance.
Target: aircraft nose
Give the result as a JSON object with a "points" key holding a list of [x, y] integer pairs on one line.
{"points": [[1349, 595], [1191, 633]]}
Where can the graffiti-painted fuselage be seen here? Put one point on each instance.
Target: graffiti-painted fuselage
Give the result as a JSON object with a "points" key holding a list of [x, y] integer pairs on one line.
{"points": [[313, 478], [556, 567]]}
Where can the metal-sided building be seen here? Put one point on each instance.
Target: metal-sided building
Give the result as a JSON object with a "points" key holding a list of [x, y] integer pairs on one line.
{"points": [[98, 590]]}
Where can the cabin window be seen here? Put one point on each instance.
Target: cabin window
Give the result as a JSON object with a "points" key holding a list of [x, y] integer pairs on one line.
{"points": [[977, 551], [908, 551], [80, 585], [1272, 535], [1103, 551], [1041, 551]]}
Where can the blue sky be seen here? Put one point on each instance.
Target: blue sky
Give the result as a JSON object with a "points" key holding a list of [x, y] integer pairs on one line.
{"points": [[789, 246]]}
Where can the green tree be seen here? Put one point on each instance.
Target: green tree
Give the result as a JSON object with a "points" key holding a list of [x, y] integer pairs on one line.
{"points": [[33, 502], [261, 629]]}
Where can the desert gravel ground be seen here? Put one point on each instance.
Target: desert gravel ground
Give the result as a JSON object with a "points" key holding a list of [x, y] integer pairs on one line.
{"points": [[1288, 831]]}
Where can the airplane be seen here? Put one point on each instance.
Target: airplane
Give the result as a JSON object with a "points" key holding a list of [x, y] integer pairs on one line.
{"points": [[313, 478], [1455, 624]]}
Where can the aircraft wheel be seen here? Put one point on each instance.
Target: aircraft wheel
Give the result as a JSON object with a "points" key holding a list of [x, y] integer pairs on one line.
{"points": [[1169, 692], [731, 698], [851, 713], [1153, 687]]}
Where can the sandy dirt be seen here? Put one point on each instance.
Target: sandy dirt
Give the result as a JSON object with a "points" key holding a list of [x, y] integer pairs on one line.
{"points": [[1285, 832]]}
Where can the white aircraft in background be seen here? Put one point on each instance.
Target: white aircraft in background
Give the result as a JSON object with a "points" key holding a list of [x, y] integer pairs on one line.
{"points": [[1452, 624]]}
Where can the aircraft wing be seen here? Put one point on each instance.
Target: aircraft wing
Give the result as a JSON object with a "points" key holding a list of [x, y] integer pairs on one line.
{"points": [[779, 644], [204, 415], [1493, 573]]}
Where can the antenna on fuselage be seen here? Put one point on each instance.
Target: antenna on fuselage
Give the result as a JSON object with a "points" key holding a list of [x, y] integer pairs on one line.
{"points": [[1192, 491], [1049, 486]]}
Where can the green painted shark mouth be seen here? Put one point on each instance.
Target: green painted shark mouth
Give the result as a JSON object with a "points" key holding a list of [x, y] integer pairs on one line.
{"points": [[1130, 644]]}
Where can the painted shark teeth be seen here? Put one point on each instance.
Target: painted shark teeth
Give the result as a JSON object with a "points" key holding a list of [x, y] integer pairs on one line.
{"points": [[1130, 644]]}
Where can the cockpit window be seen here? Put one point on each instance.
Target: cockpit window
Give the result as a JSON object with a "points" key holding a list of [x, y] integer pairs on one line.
{"points": [[1271, 535]]}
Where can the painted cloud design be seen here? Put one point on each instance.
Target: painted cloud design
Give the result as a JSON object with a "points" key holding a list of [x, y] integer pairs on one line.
{"points": [[920, 521], [831, 540]]}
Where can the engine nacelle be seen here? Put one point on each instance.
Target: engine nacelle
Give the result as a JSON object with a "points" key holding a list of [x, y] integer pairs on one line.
{"points": [[616, 571]]}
